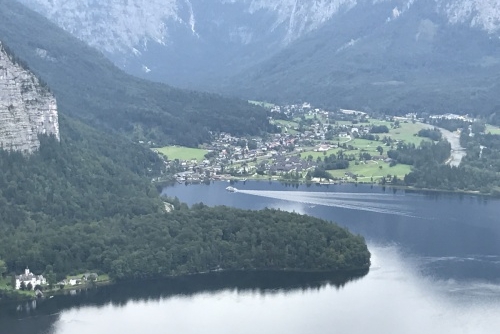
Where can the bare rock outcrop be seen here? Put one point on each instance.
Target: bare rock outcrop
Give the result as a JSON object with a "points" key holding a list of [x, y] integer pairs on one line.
{"points": [[27, 108]]}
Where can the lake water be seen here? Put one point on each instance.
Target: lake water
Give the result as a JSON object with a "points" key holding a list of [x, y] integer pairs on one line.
{"points": [[435, 269]]}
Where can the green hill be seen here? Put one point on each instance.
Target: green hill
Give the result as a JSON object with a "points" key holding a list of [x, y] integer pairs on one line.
{"points": [[91, 88]]}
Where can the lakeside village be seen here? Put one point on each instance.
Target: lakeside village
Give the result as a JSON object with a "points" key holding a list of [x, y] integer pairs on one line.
{"points": [[29, 281], [301, 151]]}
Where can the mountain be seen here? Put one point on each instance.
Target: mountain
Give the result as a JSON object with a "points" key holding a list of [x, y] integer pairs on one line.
{"points": [[389, 55], [91, 88], [27, 108], [378, 57], [183, 42]]}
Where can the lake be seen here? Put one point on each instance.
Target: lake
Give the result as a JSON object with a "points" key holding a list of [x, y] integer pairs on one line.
{"points": [[435, 269]]}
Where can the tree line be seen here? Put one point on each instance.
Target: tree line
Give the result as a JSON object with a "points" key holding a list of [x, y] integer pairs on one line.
{"points": [[478, 171]]}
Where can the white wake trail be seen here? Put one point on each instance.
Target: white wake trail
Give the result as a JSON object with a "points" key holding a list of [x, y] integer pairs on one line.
{"points": [[379, 203]]}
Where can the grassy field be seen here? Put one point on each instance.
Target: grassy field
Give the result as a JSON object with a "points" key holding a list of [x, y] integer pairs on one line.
{"points": [[5, 285], [363, 145], [315, 155], [290, 125], [494, 130], [182, 153], [372, 169], [407, 133]]}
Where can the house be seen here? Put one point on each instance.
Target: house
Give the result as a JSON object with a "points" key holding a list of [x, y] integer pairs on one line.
{"points": [[27, 278], [75, 281]]}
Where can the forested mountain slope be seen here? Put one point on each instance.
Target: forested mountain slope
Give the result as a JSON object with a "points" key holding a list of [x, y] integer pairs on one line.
{"points": [[90, 87], [388, 55], [186, 42], [86, 203], [372, 58]]}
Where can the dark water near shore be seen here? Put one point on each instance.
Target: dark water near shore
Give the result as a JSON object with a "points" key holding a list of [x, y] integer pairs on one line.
{"points": [[435, 269]]}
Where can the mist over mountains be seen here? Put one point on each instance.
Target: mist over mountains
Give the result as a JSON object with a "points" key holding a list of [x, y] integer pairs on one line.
{"points": [[387, 55]]}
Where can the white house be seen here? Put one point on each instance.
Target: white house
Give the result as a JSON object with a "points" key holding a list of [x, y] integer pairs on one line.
{"points": [[28, 277]]}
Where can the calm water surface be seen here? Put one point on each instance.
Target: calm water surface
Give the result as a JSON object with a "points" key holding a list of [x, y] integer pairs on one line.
{"points": [[435, 269]]}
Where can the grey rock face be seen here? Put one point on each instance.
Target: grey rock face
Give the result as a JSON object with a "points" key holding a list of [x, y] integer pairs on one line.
{"points": [[26, 108]]}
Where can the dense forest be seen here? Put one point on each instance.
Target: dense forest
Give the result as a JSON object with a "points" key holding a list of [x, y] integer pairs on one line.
{"points": [[478, 171], [91, 88], [186, 241], [86, 203], [425, 154]]}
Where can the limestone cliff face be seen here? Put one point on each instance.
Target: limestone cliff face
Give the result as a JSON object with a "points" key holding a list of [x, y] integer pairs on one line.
{"points": [[27, 109]]}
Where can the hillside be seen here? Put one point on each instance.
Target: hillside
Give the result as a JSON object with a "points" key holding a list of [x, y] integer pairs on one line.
{"points": [[393, 55], [188, 43], [84, 201], [417, 61], [91, 88]]}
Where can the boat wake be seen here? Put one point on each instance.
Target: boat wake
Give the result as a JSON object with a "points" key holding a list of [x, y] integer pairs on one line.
{"points": [[379, 203]]}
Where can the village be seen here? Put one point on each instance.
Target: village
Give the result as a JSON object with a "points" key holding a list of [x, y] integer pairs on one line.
{"points": [[305, 136]]}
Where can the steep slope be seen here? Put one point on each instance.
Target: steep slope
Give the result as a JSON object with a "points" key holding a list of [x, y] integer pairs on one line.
{"points": [[196, 43], [184, 42], [376, 57], [91, 88], [27, 109]]}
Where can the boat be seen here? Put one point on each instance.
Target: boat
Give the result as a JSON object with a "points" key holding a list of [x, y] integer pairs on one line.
{"points": [[231, 189]]}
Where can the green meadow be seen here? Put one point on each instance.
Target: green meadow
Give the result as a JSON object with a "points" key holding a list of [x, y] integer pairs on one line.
{"points": [[407, 132], [289, 125], [366, 171], [182, 153], [494, 130]]}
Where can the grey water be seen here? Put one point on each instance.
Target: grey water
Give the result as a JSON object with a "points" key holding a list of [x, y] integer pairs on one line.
{"points": [[435, 269]]}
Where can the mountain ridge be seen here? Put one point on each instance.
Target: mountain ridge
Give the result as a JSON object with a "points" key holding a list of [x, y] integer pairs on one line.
{"points": [[196, 43]]}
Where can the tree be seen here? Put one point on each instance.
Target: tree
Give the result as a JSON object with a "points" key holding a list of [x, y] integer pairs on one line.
{"points": [[23, 286], [380, 150], [3, 268], [51, 277], [29, 287]]}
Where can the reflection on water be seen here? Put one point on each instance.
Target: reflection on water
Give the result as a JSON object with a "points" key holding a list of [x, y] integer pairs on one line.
{"points": [[51, 312], [394, 297], [435, 269]]}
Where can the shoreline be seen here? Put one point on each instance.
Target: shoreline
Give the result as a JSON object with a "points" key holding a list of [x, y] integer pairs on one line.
{"points": [[53, 293], [394, 186]]}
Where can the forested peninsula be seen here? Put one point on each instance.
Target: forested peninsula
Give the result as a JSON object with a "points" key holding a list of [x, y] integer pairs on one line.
{"points": [[84, 205]]}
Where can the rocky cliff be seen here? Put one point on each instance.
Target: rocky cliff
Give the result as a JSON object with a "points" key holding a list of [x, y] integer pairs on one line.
{"points": [[27, 109], [199, 43]]}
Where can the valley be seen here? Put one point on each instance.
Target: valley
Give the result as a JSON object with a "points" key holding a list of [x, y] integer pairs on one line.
{"points": [[309, 136], [242, 161], [387, 56]]}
